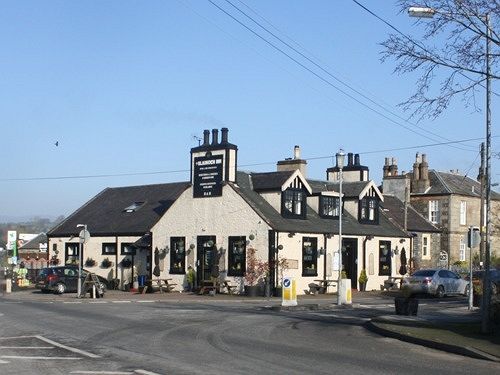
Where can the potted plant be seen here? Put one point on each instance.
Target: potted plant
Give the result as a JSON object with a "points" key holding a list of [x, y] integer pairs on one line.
{"points": [[106, 263], [255, 273], [363, 279], [89, 262], [54, 260]]}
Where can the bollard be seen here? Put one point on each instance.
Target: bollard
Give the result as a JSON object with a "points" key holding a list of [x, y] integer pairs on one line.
{"points": [[8, 286]]}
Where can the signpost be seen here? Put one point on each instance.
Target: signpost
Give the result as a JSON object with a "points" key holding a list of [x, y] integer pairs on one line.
{"points": [[84, 236], [473, 240]]}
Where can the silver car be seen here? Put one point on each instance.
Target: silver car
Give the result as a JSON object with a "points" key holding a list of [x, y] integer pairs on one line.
{"points": [[435, 282]]}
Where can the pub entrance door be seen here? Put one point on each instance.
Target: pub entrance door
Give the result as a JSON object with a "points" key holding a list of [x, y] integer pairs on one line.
{"points": [[206, 256], [350, 260]]}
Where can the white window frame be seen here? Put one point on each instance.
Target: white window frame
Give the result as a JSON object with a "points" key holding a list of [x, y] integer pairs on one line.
{"points": [[463, 246], [434, 214], [463, 213], [426, 246]]}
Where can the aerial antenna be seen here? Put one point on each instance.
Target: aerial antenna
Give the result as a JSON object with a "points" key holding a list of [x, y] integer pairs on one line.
{"points": [[196, 138]]}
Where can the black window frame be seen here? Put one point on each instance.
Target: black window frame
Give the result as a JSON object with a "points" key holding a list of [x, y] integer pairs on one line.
{"points": [[310, 271], [323, 202], [384, 260], [177, 255], [123, 245], [235, 258], [294, 196], [105, 244], [364, 204], [75, 255]]}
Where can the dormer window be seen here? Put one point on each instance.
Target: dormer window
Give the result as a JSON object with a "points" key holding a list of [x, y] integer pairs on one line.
{"points": [[329, 206], [293, 203], [368, 210], [133, 207]]}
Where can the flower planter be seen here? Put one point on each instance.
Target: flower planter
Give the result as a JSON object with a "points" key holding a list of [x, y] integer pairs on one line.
{"points": [[253, 291], [362, 287]]}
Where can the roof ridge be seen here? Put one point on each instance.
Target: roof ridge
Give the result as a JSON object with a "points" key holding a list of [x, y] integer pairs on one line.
{"points": [[445, 185]]}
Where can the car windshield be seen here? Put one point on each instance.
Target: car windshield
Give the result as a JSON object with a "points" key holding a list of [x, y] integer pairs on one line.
{"points": [[425, 273]]}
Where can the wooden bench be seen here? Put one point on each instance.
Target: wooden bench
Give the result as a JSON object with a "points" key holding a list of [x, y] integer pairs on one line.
{"points": [[163, 283]]}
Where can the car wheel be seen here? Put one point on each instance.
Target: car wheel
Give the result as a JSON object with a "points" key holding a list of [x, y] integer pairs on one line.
{"points": [[60, 288], [467, 290], [440, 292]]}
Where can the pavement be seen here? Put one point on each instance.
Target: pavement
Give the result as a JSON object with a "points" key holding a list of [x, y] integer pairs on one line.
{"points": [[453, 329]]}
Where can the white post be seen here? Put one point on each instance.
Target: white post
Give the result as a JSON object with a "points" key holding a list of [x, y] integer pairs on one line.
{"points": [[340, 164]]}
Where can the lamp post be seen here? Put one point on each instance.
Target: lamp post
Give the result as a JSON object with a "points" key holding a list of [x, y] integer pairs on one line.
{"points": [[340, 156], [83, 237], [425, 12]]}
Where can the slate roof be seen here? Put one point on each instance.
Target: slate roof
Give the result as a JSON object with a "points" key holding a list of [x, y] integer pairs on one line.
{"points": [[313, 223], [349, 189], [104, 214], [34, 243], [450, 183], [270, 180], [394, 209]]}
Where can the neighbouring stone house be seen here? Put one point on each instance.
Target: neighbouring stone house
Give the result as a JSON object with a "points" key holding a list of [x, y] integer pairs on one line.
{"points": [[449, 200], [212, 221]]}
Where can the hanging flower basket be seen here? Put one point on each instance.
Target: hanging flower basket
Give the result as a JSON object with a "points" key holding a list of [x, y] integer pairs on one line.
{"points": [[106, 263], [90, 262], [54, 261], [126, 263]]}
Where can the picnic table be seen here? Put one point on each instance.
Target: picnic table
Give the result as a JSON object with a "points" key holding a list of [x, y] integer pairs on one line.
{"points": [[323, 284]]}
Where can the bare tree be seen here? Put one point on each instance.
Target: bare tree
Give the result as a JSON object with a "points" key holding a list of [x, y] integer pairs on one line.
{"points": [[458, 27]]}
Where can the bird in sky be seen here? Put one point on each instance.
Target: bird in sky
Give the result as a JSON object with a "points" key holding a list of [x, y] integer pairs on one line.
{"points": [[56, 144]]}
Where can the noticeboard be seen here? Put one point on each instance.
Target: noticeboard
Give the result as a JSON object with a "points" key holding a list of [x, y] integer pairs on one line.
{"points": [[207, 181]]}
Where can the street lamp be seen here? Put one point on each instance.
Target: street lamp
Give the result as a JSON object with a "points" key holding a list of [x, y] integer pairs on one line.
{"points": [[83, 237], [340, 156], [426, 12]]}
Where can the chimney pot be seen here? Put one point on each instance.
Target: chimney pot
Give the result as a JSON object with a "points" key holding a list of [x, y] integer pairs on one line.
{"points": [[224, 132], [206, 137], [296, 152], [356, 160], [215, 136], [387, 161], [349, 159]]}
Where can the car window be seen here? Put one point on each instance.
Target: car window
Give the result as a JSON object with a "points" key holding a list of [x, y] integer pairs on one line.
{"points": [[443, 273], [453, 275], [69, 272], [425, 273]]}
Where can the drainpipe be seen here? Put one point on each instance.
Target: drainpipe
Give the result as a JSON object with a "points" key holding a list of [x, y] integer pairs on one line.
{"points": [[324, 258]]}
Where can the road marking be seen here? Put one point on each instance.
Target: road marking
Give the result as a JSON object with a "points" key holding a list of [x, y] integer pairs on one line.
{"points": [[3, 362], [146, 301], [27, 347], [16, 337], [74, 350], [144, 372], [38, 358], [70, 302], [121, 301], [98, 302], [103, 372]]}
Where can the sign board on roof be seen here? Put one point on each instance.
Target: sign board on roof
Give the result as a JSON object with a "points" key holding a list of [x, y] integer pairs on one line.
{"points": [[207, 181]]}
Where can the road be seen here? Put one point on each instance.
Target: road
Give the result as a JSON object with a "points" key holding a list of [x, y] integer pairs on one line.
{"points": [[117, 337]]}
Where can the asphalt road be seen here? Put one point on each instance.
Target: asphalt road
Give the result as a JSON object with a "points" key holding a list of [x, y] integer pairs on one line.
{"points": [[104, 337]]}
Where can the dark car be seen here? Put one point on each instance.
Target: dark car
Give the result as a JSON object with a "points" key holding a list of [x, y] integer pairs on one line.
{"points": [[63, 279], [477, 278]]}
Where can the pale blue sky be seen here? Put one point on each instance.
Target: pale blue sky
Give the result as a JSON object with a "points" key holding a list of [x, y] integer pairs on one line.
{"points": [[124, 85]]}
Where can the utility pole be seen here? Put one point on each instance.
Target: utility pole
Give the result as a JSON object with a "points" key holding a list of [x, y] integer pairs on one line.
{"points": [[482, 224]]}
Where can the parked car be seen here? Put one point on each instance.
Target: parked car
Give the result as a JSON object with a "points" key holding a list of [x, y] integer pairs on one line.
{"points": [[436, 282], [63, 279], [477, 278]]}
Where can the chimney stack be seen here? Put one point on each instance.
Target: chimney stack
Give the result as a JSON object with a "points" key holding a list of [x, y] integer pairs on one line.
{"points": [[290, 164], [296, 152], [349, 159], [356, 159]]}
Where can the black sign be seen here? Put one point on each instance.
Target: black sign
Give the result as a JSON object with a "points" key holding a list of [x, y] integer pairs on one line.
{"points": [[207, 176]]}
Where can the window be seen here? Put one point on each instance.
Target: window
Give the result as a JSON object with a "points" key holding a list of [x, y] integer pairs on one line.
{"points": [[178, 255], [368, 210], [133, 207], [309, 256], [237, 256], [294, 203], [434, 216], [384, 258], [127, 249], [329, 206], [463, 213], [108, 248], [462, 248], [71, 253], [426, 253]]}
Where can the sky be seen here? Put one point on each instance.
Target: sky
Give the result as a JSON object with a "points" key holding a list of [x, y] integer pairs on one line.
{"points": [[125, 87]]}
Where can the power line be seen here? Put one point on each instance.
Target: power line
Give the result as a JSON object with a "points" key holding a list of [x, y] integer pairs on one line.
{"points": [[319, 76], [244, 165]]}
